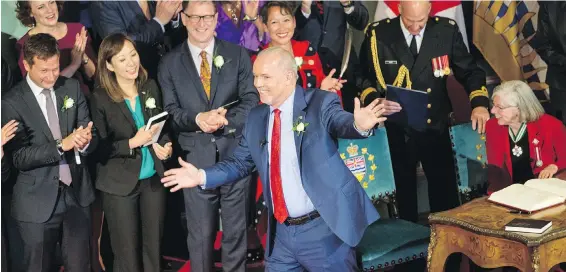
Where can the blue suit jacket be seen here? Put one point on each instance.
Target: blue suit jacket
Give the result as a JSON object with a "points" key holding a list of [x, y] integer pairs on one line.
{"points": [[334, 191]]}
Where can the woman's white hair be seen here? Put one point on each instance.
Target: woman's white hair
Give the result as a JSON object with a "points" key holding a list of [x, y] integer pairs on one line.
{"points": [[516, 93]]}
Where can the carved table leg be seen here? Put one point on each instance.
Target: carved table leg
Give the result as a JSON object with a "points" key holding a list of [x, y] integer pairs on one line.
{"points": [[535, 260], [486, 251], [437, 255], [549, 254]]}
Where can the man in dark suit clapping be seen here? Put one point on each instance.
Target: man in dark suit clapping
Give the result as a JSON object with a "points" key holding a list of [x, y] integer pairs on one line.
{"points": [[53, 190], [197, 79], [153, 25]]}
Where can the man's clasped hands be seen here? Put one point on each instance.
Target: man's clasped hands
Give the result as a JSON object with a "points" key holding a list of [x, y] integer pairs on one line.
{"points": [[213, 120], [79, 139]]}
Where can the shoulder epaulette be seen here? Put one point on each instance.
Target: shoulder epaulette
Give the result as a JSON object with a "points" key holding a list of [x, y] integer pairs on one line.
{"points": [[444, 20]]}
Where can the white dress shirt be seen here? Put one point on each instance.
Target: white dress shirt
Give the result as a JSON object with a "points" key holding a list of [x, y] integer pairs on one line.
{"points": [[297, 200], [409, 37], [197, 59], [41, 99]]}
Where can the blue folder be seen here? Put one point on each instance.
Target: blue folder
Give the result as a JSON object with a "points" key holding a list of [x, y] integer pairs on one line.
{"points": [[414, 103]]}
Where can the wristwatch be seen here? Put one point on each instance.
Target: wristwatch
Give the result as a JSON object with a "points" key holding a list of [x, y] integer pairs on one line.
{"points": [[349, 4], [60, 146]]}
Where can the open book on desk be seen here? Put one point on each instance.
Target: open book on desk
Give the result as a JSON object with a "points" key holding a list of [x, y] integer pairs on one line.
{"points": [[533, 196]]}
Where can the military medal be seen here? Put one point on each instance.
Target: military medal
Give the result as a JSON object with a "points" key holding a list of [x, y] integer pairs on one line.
{"points": [[446, 65], [539, 161], [436, 67], [517, 150]]}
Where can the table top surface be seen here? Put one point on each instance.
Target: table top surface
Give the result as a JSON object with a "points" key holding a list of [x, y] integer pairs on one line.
{"points": [[486, 218]]}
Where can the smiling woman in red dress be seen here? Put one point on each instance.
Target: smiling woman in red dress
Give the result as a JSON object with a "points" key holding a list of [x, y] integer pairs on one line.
{"points": [[522, 141], [280, 24], [77, 58]]}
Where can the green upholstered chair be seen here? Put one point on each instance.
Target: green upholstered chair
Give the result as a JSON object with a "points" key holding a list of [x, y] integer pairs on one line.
{"points": [[470, 158], [388, 241]]}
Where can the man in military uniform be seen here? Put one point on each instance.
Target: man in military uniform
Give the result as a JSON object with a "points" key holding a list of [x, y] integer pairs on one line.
{"points": [[423, 51]]}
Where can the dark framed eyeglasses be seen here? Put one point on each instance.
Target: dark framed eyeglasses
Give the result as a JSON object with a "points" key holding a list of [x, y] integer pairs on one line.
{"points": [[196, 18]]}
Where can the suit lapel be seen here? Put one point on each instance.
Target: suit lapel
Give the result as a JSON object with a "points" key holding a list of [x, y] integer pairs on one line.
{"points": [[299, 107], [145, 93], [216, 74], [33, 106], [326, 10], [63, 114], [400, 46], [264, 123], [187, 60], [127, 114], [428, 46], [136, 8]]}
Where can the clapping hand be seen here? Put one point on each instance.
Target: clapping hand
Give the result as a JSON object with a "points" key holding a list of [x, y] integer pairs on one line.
{"points": [[213, 120], [332, 84], [166, 10], [163, 152], [8, 132], [187, 176], [78, 51], [82, 136], [251, 8], [366, 118]]}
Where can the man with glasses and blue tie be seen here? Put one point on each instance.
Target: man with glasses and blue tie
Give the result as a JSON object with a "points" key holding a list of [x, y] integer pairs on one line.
{"points": [[208, 90]]}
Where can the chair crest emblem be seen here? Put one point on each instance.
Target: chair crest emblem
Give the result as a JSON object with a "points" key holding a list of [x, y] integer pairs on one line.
{"points": [[358, 163]]}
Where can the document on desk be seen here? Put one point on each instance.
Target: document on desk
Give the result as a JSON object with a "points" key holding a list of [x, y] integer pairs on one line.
{"points": [[533, 196], [414, 103]]}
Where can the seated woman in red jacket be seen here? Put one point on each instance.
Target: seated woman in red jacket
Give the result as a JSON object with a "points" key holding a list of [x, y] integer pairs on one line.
{"points": [[522, 141], [280, 24]]}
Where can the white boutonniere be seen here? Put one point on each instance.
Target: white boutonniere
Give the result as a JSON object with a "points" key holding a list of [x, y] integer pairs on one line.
{"points": [[300, 126], [218, 62], [67, 103], [299, 62], [150, 103]]}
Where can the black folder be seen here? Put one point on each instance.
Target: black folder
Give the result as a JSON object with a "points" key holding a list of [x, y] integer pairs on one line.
{"points": [[414, 103]]}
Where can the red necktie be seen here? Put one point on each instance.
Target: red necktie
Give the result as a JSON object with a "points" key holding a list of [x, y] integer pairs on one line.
{"points": [[320, 7], [279, 206]]}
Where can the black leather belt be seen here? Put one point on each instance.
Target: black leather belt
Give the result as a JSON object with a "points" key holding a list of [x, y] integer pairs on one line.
{"points": [[290, 221]]}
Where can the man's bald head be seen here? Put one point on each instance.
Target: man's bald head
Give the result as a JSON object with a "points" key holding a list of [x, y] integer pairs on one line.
{"points": [[275, 75], [414, 15]]}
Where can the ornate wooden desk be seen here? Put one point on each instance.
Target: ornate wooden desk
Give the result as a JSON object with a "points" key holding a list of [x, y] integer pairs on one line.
{"points": [[476, 229]]}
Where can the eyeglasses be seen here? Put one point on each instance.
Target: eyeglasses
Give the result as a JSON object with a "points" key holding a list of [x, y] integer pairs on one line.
{"points": [[499, 107], [196, 18]]}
